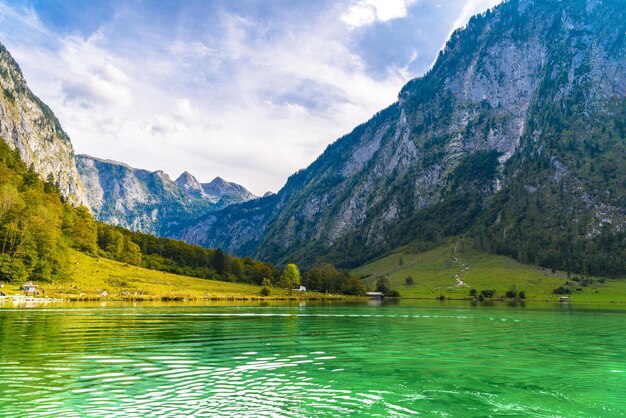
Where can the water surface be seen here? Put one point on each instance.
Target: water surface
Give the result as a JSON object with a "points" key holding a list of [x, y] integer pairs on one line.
{"points": [[316, 359]]}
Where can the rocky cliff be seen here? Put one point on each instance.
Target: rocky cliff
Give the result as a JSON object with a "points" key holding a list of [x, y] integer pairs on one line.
{"points": [[515, 136], [148, 201], [28, 125]]}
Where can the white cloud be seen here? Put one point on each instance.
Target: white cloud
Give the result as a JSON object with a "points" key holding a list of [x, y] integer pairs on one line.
{"points": [[185, 111], [252, 111], [92, 77], [365, 12], [250, 100], [190, 49]]}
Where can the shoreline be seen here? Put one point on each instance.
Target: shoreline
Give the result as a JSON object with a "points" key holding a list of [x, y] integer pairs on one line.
{"points": [[32, 299], [21, 301]]}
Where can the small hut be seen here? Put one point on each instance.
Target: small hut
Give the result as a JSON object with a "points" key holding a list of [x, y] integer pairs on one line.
{"points": [[376, 295], [29, 287]]}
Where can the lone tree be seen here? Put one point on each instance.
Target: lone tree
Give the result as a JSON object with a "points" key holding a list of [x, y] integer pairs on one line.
{"points": [[409, 281], [290, 277], [220, 262], [383, 286]]}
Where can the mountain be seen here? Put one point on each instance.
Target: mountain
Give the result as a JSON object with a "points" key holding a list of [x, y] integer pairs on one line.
{"points": [[116, 193], [220, 188], [151, 202], [217, 189], [28, 125], [515, 137]]}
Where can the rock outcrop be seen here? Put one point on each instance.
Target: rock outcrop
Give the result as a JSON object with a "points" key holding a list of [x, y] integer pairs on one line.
{"points": [[28, 125]]}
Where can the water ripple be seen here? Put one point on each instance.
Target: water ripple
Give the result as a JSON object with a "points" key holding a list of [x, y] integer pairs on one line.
{"points": [[318, 361]]}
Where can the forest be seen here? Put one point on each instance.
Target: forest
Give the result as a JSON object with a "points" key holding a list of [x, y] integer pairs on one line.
{"points": [[37, 229]]}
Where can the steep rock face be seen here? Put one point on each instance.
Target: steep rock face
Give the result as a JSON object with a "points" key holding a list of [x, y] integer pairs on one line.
{"points": [[461, 142], [28, 125], [148, 201]]}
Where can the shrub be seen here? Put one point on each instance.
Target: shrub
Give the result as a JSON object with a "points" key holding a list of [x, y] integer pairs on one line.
{"points": [[393, 294], [409, 281], [561, 291], [522, 294], [512, 292], [473, 292], [488, 293], [265, 291], [352, 285]]}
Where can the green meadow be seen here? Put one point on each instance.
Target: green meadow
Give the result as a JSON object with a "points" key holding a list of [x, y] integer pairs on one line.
{"points": [[433, 275], [89, 277]]}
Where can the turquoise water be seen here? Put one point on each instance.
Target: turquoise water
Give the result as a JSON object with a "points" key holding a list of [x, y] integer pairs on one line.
{"points": [[327, 360]]}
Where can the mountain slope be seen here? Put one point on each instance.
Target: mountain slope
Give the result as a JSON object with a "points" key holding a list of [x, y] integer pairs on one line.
{"points": [[514, 113], [150, 201], [434, 274], [28, 125]]}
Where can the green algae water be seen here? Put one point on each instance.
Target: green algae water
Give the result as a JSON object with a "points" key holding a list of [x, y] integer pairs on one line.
{"points": [[313, 360]]}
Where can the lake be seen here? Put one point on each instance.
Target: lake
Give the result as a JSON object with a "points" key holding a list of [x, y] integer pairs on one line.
{"points": [[362, 359]]}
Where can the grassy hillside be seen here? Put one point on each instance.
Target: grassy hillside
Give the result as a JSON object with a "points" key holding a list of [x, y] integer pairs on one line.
{"points": [[89, 277], [434, 271]]}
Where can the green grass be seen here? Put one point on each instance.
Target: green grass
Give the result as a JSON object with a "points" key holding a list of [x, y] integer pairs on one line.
{"points": [[433, 274], [89, 277]]}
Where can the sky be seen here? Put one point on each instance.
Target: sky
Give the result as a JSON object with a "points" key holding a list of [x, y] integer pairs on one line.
{"points": [[247, 90]]}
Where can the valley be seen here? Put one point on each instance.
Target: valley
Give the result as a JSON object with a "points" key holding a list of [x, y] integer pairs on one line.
{"points": [[513, 139], [457, 249]]}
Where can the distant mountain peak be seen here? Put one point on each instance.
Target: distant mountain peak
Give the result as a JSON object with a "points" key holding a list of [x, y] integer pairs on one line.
{"points": [[220, 188], [149, 201], [186, 177], [189, 183]]}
